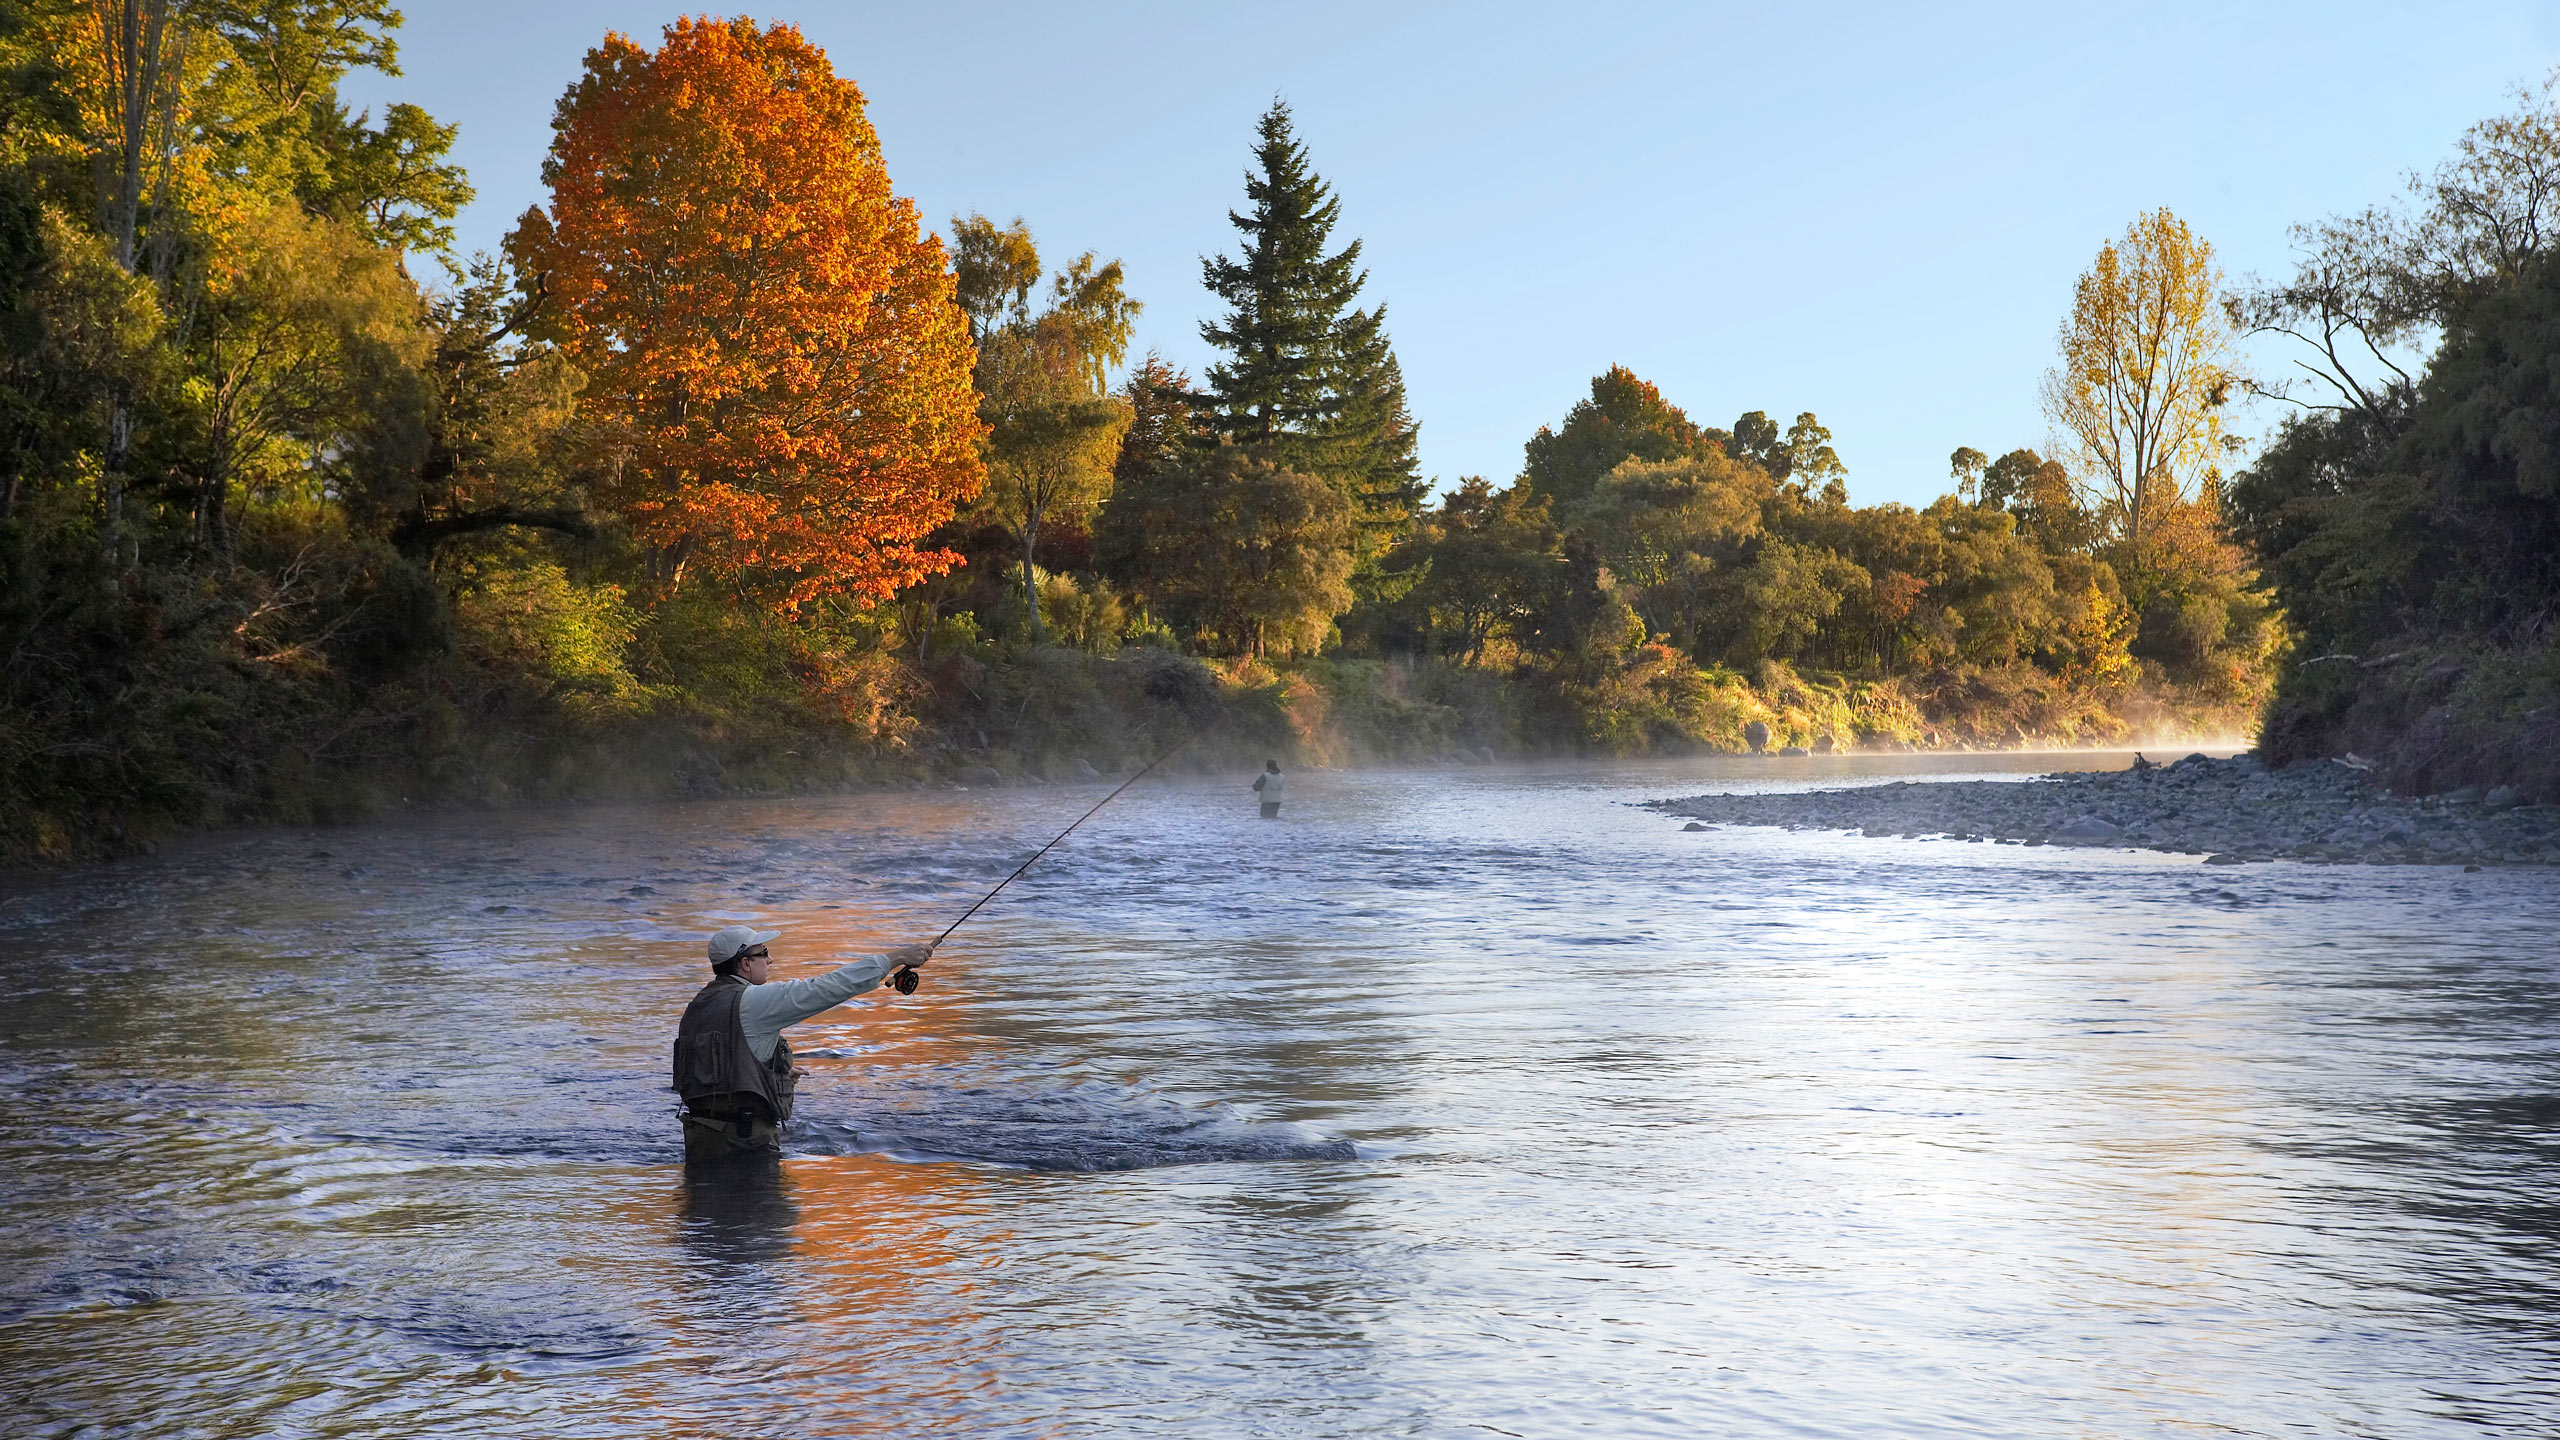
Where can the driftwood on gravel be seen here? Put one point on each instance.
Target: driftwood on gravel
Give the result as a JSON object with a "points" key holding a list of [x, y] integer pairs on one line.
{"points": [[2230, 810]]}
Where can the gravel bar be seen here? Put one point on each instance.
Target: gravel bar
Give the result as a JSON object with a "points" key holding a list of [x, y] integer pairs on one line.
{"points": [[2231, 811]]}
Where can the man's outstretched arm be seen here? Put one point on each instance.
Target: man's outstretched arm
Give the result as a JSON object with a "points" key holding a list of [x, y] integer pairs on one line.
{"points": [[765, 1009]]}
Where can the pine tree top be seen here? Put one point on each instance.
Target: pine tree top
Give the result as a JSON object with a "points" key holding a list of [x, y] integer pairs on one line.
{"points": [[1286, 296]]}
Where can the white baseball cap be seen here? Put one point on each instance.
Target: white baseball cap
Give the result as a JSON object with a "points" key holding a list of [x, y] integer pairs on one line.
{"points": [[725, 944]]}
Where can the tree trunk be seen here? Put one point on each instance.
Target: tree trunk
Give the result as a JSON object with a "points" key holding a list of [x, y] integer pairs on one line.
{"points": [[213, 526], [417, 536], [111, 487], [1031, 587], [132, 32], [2133, 530]]}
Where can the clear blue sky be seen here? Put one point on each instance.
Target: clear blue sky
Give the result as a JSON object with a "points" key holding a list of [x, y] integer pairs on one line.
{"points": [[1858, 210]]}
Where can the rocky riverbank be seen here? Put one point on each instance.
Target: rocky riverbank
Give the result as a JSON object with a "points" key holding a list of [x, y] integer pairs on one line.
{"points": [[2232, 811]]}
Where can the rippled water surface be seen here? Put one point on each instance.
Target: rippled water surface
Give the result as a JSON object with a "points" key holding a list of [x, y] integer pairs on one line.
{"points": [[1468, 1103]]}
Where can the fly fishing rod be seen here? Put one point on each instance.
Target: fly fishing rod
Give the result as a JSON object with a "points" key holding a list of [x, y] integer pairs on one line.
{"points": [[906, 979]]}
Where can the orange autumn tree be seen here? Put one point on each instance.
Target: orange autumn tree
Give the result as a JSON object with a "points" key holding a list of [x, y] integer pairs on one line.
{"points": [[769, 339]]}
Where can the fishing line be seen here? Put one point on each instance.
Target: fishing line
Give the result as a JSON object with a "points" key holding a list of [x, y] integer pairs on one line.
{"points": [[906, 979]]}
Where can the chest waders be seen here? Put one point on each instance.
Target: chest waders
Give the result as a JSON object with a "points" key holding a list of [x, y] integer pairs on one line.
{"points": [[733, 1103]]}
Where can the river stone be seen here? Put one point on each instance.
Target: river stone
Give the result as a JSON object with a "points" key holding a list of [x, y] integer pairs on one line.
{"points": [[2467, 795], [2225, 859], [2504, 797], [1822, 744], [1085, 770], [1794, 752], [1756, 735], [2088, 830], [1692, 825], [978, 775]]}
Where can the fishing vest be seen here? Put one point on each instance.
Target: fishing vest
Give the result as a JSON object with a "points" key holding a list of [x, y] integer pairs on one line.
{"points": [[1269, 785], [715, 1071]]}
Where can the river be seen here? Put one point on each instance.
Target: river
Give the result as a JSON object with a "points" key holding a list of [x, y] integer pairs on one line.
{"points": [[1468, 1103]]}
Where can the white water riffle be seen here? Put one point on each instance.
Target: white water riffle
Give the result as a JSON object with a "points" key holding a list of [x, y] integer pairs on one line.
{"points": [[1475, 1102]]}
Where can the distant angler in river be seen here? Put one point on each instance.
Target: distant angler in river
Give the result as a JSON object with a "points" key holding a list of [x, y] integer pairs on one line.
{"points": [[1267, 785]]}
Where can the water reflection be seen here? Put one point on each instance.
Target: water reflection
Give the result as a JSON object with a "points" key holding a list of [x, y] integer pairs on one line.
{"points": [[738, 1216]]}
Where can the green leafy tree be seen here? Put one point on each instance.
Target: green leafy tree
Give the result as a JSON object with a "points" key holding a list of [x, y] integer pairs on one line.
{"points": [[994, 270], [1163, 437], [1053, 429], [495, 441], [1623, 418], [1487, 560], [2039, 493], [1755, 439], [280, 351], [1785, 597], [1375, 435], [2403, 513], [1243, 551], [2452, 527], [78, 334], [1669, 529], [1163, 423], [2371, 291], [1801, 460], [393, 182], [278, 89], [1965, 467], [1813, 468]]}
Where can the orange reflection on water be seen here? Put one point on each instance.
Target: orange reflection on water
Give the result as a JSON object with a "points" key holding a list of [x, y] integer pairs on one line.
{"points": [[894, 1263], [826, 1294]]}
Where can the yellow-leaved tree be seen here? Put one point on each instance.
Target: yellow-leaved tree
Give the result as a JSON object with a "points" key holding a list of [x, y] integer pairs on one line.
{"points": [[2149, 364], [1053, 429]]}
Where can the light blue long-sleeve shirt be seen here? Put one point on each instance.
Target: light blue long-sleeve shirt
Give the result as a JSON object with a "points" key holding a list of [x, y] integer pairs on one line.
{"points": [[766, 1008]]}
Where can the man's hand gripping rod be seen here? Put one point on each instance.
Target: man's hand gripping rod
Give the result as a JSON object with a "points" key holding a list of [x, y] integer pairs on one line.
{"points": [[906, 979]]}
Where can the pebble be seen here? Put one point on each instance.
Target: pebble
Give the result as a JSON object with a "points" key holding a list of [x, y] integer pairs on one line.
{"points": [[2231, 811]]}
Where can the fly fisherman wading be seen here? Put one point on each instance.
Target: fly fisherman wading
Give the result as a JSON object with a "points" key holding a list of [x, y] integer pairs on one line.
{"points": [[733, 1067], [1267, 785]]}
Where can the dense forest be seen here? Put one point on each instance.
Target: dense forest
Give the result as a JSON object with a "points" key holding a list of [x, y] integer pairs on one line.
{"points": [[730, 475], [2408, 508]]}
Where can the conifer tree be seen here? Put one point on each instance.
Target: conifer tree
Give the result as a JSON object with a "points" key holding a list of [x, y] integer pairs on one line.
{"points": [[1310, 378]]}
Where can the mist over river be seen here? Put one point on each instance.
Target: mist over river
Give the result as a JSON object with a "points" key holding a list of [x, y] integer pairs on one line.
{"points": [[1480, 1102]]}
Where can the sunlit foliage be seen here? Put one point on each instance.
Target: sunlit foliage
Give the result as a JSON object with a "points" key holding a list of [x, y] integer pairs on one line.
{"points": [[1053, 428], [2149, 364], [764, 329]]}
